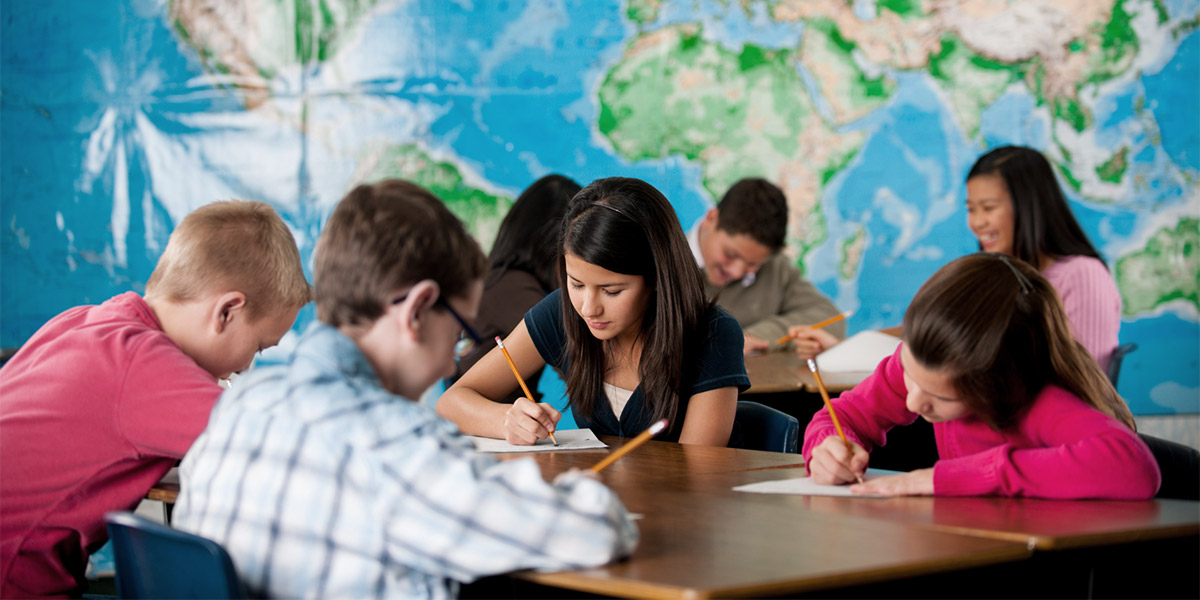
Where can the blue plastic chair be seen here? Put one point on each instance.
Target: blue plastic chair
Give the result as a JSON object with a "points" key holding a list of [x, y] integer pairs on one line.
{"points": [[765, 428], [157, 561]]}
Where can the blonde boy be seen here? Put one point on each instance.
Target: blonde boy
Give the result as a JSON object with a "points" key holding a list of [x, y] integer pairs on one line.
{"points": [[104, 399], [325, 479]]}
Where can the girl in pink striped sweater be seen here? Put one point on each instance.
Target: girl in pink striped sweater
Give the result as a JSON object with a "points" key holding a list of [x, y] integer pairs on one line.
{"points": [[1018, 406], [1015, 206]]}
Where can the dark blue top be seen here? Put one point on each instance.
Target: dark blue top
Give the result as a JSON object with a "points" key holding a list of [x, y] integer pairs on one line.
{"points": [[721, 365]]}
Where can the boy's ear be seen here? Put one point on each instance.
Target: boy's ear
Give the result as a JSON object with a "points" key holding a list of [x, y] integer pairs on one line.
{"points": [[421, 297], [228, 306]]}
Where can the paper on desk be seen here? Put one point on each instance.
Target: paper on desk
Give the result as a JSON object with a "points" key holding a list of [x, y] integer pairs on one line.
{"points": [[859, 352], [568, 439], [804, 486]]}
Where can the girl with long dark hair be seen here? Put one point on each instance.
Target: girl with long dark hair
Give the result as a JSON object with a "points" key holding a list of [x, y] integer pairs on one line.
{"points": [[630, 329]]}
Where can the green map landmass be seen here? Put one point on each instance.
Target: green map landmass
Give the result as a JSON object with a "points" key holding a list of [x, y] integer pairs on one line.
{"points": [[1164, 271], [737, 113], [479, 210]]}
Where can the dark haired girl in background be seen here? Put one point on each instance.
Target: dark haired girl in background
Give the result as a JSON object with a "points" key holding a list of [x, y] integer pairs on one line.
{"points": [[522, 267], [630, 329], [1016, 207]]}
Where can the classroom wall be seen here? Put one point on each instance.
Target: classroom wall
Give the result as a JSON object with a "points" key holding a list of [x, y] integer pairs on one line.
{"points": [[118, 118]]}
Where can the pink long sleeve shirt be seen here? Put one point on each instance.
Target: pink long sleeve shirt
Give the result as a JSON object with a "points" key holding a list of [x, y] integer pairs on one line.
{"points": [[1092, 303], [1060, 448], [94, 409]]}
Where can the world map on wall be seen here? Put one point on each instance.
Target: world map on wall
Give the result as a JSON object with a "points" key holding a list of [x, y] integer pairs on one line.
{"points": [[120, 118]]}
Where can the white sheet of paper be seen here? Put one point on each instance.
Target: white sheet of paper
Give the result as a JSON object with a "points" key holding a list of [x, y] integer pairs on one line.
{"points": [[568, 439], [859, 352], [803, 486]]}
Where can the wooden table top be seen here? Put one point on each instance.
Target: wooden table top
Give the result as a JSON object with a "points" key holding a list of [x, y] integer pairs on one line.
{"points": [[774, 372], [700, 540], [1041, 524]]}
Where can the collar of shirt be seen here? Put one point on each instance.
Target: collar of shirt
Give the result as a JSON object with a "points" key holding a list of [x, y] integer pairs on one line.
{"points": [[324, 345], [693, 239]]}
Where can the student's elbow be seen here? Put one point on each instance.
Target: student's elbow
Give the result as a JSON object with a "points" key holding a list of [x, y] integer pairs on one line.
{"points": [[1145, 477], [448, 403], [1135, 468]]}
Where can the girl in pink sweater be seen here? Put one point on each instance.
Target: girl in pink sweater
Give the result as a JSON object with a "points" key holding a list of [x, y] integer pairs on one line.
{"points": [[1018, 407], [1016, 207]]}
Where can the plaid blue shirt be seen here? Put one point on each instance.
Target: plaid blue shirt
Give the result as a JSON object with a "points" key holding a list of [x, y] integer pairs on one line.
{"points": [[322, 484]]}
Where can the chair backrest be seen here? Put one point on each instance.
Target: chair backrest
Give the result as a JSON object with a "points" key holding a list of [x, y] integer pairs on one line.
{"points": [[1118, 357], [1179, 465], [765, 428], [157, 561]]}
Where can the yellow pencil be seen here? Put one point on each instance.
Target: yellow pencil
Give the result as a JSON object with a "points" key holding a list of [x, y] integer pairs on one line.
{"points": [[520, 379], [812, 366], [825, 323], [641, 438]]}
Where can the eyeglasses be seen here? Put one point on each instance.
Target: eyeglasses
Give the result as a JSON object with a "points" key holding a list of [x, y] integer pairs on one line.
{"points": [[467, 340]]}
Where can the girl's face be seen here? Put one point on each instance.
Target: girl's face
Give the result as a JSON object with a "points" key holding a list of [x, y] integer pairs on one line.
{"points": [[990, 213], [931, 394], [611, 304]]}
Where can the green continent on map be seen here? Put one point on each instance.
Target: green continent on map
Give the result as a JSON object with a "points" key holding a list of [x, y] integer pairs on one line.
{"points": [[479, 210], [1162, 272], [1117, 46], [1114, 168], [851, 253], [829, 58], [685, 96], [972, 81], [253, 40], [643, 11], [737, 113]]}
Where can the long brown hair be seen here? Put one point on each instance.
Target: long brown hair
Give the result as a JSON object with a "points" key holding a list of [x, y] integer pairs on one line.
{"points": [[1043, 224], [999, 329], [627, 226]]}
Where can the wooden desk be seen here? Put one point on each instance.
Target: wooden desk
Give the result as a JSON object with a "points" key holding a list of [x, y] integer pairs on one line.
{"points": [[702, 540], [775, 372], [167, 488], [1041, 524]]}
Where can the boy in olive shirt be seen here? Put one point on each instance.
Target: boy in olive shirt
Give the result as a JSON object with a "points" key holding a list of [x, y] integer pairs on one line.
{"points": [[737, 245]]}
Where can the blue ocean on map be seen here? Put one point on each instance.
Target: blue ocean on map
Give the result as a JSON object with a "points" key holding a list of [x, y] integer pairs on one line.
{"points": [[115, 124]]}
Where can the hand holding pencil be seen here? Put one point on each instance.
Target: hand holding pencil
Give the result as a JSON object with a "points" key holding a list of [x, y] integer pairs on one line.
{"points": [[853, 460], [544, 418], [811, 340]]}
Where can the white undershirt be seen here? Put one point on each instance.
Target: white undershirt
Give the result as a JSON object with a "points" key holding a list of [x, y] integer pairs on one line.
{"points": [[617, 398]]}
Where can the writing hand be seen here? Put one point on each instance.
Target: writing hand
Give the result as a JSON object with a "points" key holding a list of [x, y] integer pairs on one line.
{"points": [[525, 422], [833, 464], [811, 342]]}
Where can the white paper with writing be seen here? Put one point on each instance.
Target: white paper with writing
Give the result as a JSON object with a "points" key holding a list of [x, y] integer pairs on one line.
{"points": [[568, 439], [804, 486]]}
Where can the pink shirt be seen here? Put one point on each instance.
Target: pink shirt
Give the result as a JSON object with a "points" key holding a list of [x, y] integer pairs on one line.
{"points": [[1060, 448], [94, 409], [1092, 302]]}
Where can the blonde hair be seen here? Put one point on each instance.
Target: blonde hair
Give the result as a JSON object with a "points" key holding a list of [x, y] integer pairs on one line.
{"points": [[232, 245]]}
